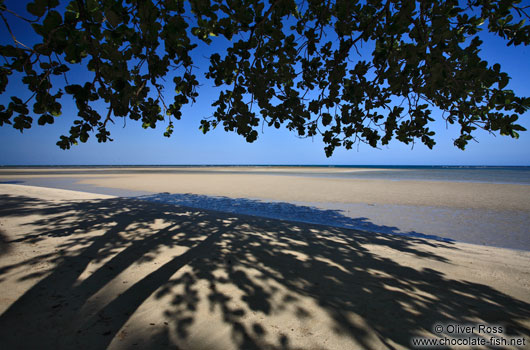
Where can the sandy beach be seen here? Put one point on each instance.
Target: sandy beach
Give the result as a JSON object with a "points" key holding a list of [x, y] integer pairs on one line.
{"points": [[288, 184], [93, 271], [491, 214], [290, 188]]}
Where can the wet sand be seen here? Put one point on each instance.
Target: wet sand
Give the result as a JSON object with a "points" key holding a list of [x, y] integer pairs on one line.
{"points": [[310, 189], [289, 184], [90, 271], [478, 213]]}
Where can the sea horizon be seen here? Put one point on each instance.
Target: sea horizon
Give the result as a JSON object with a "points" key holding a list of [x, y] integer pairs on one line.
{"points": [[372, 166], [497, 174]]}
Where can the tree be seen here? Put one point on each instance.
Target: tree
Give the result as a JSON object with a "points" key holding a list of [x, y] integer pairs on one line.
{"points": [[348, 70]]}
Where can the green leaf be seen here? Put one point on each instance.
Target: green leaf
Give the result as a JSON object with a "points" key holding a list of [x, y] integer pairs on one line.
{"points": [[36, 8], [52, 21], [504, 81], [326, 119], [113, 18], [45, 119], [496, 67]]}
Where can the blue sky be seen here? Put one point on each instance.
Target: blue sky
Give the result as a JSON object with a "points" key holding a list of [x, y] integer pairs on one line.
{"points": [[134, 145]]}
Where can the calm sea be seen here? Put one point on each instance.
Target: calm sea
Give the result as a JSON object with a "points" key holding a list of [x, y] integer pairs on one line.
{"points": [[503, 175]]}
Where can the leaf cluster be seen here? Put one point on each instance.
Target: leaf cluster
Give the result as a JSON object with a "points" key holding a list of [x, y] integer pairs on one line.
{"points": [[349, 71]]}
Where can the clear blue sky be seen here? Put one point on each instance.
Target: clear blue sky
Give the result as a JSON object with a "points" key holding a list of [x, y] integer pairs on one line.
{"points": [[134, 145]]}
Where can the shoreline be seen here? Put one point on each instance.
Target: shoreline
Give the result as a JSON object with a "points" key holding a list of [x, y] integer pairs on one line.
{"points": [[37, 166], [306, 188], [57, 194], [495, 227], [480, 213], [519, 175]]}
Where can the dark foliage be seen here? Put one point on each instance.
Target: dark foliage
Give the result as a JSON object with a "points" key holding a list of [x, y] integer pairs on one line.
{"points": [[292, 63]]}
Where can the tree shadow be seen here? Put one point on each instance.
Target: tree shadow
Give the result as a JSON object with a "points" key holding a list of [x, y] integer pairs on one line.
{"points": [[283, 211], [120, 273], [12, 182], [4, 246]]}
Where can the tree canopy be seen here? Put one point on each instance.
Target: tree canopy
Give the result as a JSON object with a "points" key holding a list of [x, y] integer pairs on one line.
{"points": [[350, 71]]}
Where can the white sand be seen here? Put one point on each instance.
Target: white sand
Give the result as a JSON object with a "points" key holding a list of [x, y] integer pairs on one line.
{"points": [[307, 189], [87, 271]]}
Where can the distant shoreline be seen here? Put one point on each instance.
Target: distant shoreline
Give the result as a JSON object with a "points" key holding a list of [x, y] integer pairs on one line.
{"points": [[265, 166], [517, 175]]}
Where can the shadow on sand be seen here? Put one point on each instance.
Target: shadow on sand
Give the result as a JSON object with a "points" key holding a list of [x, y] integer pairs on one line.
{"points": [[4, 245], [282, 211], [222, 281]]}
